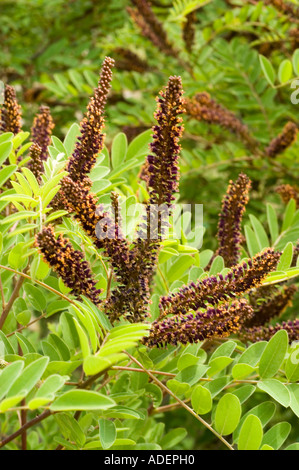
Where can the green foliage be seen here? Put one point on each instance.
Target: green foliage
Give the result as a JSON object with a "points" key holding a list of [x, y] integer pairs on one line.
{"points": [[288, 69]]}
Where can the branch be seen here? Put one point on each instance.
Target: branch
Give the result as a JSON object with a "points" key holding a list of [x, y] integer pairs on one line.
{"points": [[26, 426], [132, 369], [21, 328], [2, 294], [23, 414], [182, 403], [64, 297]]}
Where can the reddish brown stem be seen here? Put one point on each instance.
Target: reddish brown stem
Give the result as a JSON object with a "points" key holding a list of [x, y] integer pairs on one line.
{"points": [[26, 426], [10, 303], [23, 423]]}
